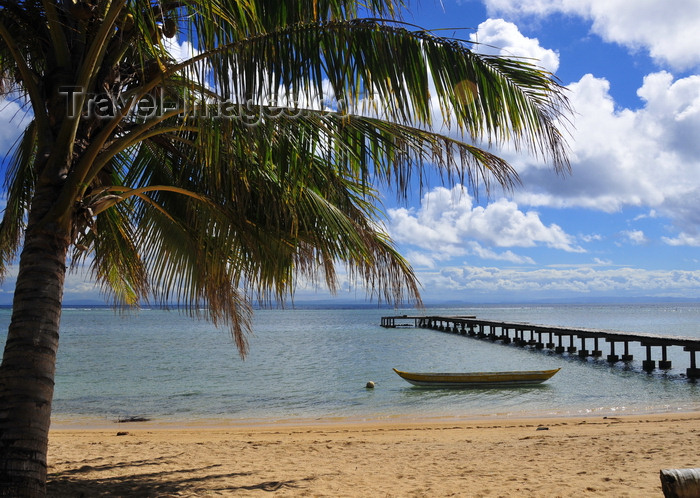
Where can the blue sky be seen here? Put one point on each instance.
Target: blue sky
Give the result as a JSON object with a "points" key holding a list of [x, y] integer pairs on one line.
{"points": [[624, 224]]}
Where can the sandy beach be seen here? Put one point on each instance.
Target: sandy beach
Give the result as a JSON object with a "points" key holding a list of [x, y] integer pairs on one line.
{"points": [[597, 456]]}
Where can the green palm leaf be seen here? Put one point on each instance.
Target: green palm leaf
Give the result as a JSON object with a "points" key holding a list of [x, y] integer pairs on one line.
{"points": [[257, 169]]}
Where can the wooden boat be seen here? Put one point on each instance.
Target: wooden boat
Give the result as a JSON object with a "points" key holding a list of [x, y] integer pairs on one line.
{"points": [[477, 379]]}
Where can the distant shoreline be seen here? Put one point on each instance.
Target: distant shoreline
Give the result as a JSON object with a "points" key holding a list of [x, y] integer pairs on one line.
{"points": [[340, 304]]}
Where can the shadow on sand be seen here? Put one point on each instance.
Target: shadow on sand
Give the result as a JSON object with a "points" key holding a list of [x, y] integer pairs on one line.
{"points": [[90, 481]]}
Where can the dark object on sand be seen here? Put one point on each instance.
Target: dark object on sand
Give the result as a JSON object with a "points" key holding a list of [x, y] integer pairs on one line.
{"points": [[122, 420], [680, 483]]}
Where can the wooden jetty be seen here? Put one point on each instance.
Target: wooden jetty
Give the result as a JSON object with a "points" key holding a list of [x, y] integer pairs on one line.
{"points": [[558, 339]]}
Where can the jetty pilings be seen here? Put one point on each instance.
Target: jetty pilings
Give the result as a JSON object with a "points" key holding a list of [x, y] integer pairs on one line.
{"points": [[560, 339]]}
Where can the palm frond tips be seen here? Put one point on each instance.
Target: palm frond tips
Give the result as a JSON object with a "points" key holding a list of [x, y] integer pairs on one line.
{"points": [[19, 184], [485, 97]]}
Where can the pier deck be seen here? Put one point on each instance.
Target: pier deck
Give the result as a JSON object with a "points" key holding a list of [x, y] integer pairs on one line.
{"points": [[528, 334]]}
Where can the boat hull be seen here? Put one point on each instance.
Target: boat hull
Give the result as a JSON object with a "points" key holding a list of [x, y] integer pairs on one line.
{"points": [[477, 379]]}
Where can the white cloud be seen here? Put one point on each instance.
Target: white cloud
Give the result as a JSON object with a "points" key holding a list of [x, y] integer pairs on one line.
{"points": [[499, 37], [683, 239], [14, 119], [180, 50], [635, 236], [494, 37], [648, 157], [509, 256], [78, 286], [651, 214], [607, 148], [668, 31], [595, 237], [478, 282], [448, 225], [420, 260], [673, 112]]}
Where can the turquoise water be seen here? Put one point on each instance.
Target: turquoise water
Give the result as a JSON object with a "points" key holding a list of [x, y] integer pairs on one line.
{"points": [[310, 364]]}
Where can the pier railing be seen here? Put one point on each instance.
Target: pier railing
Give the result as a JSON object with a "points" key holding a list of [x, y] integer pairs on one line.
{"points": [[559, 339]]}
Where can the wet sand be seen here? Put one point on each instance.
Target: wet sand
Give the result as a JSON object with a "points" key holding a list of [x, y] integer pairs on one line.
{"points": [[597, 456]]}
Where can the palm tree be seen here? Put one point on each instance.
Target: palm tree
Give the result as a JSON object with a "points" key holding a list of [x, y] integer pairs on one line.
{"points": [[231, 173]]}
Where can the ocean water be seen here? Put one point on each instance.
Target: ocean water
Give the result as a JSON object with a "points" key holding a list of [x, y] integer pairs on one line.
{"points": [[313, 365]]}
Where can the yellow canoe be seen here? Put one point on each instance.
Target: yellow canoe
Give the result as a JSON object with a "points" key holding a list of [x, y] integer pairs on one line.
{"points": [[477, 379]]}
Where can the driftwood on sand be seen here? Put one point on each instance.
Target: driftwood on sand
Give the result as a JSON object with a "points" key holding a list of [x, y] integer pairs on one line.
{"points": [[122, 420]]}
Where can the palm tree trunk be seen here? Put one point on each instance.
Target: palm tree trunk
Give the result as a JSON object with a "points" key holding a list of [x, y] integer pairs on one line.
{"points": [[29, 362]]}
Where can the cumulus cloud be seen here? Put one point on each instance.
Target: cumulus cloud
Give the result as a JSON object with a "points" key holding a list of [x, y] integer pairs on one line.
{"points": [[667, 31], [609, 153], [635, 236], [683, 239], [448, 224], [649, 157], [498, 37]]}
